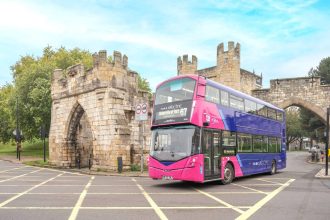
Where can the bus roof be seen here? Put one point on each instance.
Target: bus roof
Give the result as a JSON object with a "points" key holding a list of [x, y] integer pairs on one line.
{"points": [[223, 87]]}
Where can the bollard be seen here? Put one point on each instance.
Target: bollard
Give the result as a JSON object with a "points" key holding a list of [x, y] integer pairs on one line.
{"points": [[120, 164], [90, 162]]}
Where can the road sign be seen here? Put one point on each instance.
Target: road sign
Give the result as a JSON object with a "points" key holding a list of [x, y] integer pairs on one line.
{"points": [[18, 134], [141, 112]]}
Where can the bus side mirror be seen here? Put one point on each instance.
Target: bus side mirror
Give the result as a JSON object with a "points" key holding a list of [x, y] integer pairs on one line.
{"points": [[206, 123]]}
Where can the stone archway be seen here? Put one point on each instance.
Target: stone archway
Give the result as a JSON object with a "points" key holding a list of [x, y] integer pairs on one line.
{"points": [[294, 101], [79, 138]]}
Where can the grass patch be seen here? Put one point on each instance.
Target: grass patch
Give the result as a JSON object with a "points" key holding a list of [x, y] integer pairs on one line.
{"points": [[38, 163], [33, 149], [136, 167]]}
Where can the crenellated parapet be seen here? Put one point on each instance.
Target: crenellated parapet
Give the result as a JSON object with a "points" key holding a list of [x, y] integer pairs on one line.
{"points": [[229, 56], [105, 72], [101, 59], [185, 66]]}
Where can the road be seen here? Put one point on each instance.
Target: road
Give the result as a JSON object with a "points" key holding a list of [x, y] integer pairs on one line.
{"points": [[36, 193]]}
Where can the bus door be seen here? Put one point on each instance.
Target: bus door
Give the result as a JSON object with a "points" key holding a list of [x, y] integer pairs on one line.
{"points": [[211, 151]]}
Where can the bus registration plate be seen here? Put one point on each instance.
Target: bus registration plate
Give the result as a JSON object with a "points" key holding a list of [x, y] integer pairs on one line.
{"points": [[167, 178]]}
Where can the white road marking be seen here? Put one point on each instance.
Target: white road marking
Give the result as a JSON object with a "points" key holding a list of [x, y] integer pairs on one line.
{"points": [[245, 187], [15, 177], [220, 201], [76, 208], [263, 184], [262, 202], [25, 192], [16, 168], [268, 181], [156, 208]]}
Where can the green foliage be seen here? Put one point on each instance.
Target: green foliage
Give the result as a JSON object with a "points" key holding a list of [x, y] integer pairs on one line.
{"points": [[312, 124], [7, 124], [323, 70], [143, 84], [137, 167], [295, 130], [37, 163], [33, 85], [31, 148]]}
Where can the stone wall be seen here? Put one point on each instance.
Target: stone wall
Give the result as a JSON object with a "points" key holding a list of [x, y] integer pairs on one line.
{"points": [[306, 92], [105, 97]]}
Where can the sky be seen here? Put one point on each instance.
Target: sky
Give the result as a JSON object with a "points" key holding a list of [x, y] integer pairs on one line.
{"points": [[280, 39]]}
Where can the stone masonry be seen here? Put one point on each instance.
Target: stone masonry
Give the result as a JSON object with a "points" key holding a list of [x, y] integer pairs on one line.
{"points": [[227, 71], [306, 92], [93, 114]]}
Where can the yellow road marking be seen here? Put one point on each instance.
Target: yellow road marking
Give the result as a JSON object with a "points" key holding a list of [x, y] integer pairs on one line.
{"points": [[25, 192], [156, 208], [82, 196], [219, 200], [245, 187], [126, 208], [262, 202], [15, 177]]}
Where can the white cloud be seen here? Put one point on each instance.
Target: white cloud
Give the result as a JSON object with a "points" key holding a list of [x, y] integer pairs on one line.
{"points": [[276, 36]]}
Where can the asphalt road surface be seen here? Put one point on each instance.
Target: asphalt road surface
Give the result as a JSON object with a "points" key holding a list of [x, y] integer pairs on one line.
{"points": [[36, 193]]}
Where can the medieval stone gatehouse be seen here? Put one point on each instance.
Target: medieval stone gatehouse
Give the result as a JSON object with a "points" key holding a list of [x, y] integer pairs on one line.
{"points": [[92, 121]]}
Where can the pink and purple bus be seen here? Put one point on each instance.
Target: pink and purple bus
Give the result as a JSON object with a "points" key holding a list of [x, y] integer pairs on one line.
{"points": [[204, 131]]}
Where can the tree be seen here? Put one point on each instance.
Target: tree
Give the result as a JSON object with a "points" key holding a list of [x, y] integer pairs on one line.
{"points": [[310, 121], [32, 78], [294, 129], [7, 124], [143, 84], [312, 125], [322, 70]]}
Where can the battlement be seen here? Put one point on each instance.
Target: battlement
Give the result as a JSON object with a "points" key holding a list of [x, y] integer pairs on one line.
{"points": [[295, 82], [229, 56], [231, 48], [185, 66], [101, 58], [105, 72]]}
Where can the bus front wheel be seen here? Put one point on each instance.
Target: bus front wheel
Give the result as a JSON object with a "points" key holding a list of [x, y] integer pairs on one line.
{"points": [[273, 169], [228, 174]]}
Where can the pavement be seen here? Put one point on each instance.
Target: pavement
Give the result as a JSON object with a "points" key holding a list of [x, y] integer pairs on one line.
{"points": [[14, 160], [321, 173]]}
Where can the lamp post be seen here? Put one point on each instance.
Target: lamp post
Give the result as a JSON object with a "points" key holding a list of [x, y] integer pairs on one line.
{"points": [[327, 143]]}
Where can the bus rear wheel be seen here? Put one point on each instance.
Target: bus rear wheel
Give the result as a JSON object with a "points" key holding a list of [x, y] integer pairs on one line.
{"points": [[228, 174], [273, 169]]}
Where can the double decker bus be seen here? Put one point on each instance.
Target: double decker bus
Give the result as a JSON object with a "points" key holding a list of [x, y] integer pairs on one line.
{"points": [[204, 131]]}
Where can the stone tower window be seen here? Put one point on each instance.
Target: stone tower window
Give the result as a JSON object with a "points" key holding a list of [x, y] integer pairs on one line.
{"points": [[226, 60]]}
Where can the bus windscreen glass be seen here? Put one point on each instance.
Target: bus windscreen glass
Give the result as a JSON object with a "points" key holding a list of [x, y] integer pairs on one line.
{"points": [[174, 143]]}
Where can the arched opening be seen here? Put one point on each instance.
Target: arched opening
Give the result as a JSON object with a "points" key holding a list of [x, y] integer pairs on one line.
{"points": [[80, 138], [305, 124]]}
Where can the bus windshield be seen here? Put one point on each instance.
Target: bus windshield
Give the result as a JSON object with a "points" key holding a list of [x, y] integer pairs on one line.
{"points": [[174, 143], [176, 90]]}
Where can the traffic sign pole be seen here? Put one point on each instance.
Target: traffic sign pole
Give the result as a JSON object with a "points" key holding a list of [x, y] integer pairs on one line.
{"points": [[141, 115]]}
